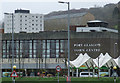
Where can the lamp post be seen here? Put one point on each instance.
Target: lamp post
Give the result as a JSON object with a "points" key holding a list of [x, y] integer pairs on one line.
{"points": [[114, 73], [114, 68], [14, 67], [12, 38], [68, 37]]}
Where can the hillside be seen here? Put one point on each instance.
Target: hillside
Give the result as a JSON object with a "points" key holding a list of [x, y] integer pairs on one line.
{"points": [[100, 13]]}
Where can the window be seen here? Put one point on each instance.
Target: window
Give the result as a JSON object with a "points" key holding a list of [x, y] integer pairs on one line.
{"points": [[25, 28], [36, 28], [20, 16], [40, 24], [25, 16], [25, 24], [32, 24], [32, 28], [53, 48], [36, 20], [32, 16], [32, 20], [36, 24], [25, 20], [36, 16], [20, 20]]}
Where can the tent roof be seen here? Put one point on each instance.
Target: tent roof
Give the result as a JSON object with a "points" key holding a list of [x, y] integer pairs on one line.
{"points": [[104, 60]]}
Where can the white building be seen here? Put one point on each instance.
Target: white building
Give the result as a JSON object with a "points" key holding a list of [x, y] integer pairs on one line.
{"points": [[23, 21], [96, 26]]}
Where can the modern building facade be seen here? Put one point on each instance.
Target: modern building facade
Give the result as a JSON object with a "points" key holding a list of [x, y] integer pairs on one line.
{"points": [[46, 50], [23, 21]]}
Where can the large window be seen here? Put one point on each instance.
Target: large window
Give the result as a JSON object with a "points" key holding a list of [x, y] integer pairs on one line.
{"points": [[35, 48]]}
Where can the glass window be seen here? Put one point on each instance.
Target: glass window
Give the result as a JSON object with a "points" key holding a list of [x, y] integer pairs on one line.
{"points": [[57, 55], [48, 45], [4, 44], [48, 51], [21, 55], [34, 56], [34, 44], [40, 25], [4, 56], [44, 51], [48, 56], [57, 45], [17, 44], [44, 45], [30, 45], [53, 48], [30, 55], [43, 55]]}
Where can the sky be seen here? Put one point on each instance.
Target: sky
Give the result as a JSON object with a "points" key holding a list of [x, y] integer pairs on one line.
{"points": [[47, 6]]}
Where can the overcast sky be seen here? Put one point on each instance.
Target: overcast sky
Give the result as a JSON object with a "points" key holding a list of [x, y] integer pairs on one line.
{"points": [[47, 6]]}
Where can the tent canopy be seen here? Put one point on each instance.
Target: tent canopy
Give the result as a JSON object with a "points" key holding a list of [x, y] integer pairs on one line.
{"points": [[104, 60]]}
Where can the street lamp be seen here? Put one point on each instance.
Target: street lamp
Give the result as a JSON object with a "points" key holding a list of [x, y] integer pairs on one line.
{"points": [[12, 38], [114, 68], [68, 37], [14, 67], [114, 73]]}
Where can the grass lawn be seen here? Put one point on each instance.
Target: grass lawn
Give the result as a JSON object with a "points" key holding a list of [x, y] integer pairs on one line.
{"points": [[62, 80]]}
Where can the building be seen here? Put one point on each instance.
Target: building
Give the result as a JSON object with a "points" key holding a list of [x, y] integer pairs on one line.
{"points": [[95, 26], [23, 21], [59, 22], [45, 50]]}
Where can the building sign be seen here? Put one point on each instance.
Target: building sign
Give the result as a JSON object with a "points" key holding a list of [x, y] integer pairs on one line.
{"points": [[86, 47], [92, 46]]}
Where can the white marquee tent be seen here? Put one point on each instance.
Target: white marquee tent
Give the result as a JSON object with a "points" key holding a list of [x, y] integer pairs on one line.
{"points": [[104, 60]]}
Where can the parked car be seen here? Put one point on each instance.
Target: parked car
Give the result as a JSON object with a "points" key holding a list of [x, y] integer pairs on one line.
{"points": [[87, 74]]}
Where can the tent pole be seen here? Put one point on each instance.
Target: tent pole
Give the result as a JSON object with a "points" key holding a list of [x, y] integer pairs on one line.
{"points": [[72, 72], [77, 72], [108, 69]]}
